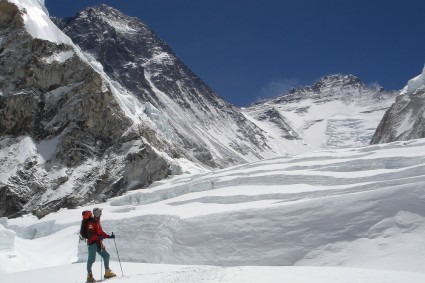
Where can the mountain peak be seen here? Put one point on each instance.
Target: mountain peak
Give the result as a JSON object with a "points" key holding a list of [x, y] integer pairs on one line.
{"points": [[330, 81], [112, 17], [101, 8], [338, 79]]}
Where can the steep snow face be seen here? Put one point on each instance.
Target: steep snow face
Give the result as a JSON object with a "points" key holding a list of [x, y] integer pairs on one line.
{"points": [[38, 23], [211, 130], [405, 120], [339, 111], [358, 208]]}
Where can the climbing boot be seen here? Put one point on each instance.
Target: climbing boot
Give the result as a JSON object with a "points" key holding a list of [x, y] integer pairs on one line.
{"points": [[109, 274]]}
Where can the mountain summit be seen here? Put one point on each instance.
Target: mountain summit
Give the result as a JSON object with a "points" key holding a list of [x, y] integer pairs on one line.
{"points": [[211, 130]]}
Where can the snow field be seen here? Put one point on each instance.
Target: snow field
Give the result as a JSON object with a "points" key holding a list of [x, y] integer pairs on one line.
{"points": [[353, 208], [164, 273]]}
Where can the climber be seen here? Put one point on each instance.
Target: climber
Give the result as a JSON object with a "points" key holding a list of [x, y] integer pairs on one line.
{"points": [[95, 236]]}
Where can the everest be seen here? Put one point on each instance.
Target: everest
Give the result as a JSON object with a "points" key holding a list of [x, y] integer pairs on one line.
{"points": [[210, 131]]}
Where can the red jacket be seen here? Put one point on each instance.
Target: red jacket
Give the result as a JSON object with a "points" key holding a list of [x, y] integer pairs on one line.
{"points": [[95, 231]]}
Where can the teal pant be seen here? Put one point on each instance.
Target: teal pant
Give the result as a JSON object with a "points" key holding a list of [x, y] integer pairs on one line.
{"points": [[92, 256]]}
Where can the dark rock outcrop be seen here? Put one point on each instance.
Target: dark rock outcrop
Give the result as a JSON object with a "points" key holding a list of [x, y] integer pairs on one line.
{"points": [[404, 120]]}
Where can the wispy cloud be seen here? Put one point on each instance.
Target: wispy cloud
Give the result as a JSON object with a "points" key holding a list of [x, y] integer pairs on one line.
{"points": [[277, 87], [375, 85]]}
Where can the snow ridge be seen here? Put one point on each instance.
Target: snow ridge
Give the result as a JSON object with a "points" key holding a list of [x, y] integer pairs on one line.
{"points": [[415, 84]]}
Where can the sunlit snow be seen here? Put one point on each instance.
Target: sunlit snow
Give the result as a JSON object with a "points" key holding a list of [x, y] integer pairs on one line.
{"points": [[355, 213], [59, 57], [414, 84], [38, 23]]}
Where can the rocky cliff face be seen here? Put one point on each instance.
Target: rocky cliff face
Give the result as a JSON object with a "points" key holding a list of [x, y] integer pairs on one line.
{"points": [[65, 138], [212, 131], [338, 111], [404, 120]]}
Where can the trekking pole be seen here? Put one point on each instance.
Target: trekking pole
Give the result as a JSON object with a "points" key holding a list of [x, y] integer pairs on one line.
{"points": [[118, 255], [101, 268]]}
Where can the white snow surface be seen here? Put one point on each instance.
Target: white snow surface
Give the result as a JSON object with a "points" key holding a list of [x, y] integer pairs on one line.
{"points": [[414, 84], [347, 215], [59, 57], [19, 150], [327, 124], [38, 23]]}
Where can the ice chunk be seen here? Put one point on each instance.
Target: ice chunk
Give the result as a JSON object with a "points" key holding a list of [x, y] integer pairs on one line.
{"points": [[7, 239]]}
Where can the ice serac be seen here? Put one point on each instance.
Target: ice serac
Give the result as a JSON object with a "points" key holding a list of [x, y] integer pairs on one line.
{"points": [[212, 131], [405, 119], [67, 135], [338, 111]]}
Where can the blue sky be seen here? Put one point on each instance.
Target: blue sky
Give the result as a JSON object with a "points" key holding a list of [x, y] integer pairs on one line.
{"points": [[251, 49]]}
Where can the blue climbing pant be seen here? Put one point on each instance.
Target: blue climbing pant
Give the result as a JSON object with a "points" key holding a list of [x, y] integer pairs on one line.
{"points": [[93, 248]]}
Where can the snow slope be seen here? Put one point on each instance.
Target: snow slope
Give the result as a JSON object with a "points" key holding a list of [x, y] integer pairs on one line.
{"points": [[338, 111], [38, 23], [353, 211]]}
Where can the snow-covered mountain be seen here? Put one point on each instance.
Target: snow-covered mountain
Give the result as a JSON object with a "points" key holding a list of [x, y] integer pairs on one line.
{"points": [[333, 216], [405, 119], [118, 111], [338, 111], [68, 133], [213, 131], [74, 130]]}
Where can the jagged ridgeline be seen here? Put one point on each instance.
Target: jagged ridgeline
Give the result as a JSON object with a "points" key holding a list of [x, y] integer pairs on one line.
{"points": [[81, 125]]}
